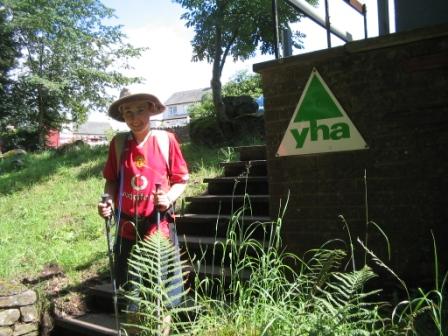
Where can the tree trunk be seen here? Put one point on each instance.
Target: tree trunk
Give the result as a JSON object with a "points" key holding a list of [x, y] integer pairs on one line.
{"points": [[220, 108], [41, 102], [41, 118]]}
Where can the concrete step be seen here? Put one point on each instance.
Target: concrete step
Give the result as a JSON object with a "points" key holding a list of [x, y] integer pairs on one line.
{"points": [[221, 275], [252, 185], [210, 250], [212, 225], [245, 168], [247, 153], [100, 298], [227, 204], [91, 324]]}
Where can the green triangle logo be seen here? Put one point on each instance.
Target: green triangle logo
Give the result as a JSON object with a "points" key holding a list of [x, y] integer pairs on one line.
{"points": [[319, 124], [317, 103]]}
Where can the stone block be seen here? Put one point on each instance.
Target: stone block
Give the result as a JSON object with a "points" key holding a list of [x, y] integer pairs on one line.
{"points": [[24, 328], [29, 313], [11, 288], [5, 331], [9, 317], [23, 299]]}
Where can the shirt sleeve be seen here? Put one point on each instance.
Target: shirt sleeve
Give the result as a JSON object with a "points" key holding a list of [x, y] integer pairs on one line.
{"points": [[110, 168], [178, 165]]}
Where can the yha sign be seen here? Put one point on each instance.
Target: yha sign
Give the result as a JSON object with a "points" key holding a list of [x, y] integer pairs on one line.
{"points": [[319, 123]]}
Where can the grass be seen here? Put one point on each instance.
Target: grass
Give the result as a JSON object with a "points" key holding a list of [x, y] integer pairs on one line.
{"points": [[48, 209], [284, 294], [48, 213]]}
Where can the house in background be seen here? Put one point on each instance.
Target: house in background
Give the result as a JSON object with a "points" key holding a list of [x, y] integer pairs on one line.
{"points": [[92, 132], [176, 113]]}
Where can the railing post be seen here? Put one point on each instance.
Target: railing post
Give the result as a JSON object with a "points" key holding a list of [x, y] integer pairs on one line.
{"points": [[364, 15], [275, 23], [327, 24]]}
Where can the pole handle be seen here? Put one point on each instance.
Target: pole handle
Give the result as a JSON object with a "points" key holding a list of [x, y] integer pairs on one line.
{"points": [[105, 197]]}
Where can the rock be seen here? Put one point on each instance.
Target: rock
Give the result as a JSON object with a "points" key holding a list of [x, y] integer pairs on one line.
{"points": [[9, 317], [29, 314], [23, 299], [5, 331], [11, 288], [46, 324], [240, 106], [24, 328]]}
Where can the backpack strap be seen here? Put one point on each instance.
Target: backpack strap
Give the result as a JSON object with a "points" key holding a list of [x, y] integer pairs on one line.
{"points": [[120, 140], [163, 141]]}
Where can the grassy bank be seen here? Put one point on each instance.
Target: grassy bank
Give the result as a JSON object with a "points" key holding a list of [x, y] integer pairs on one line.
{"points": [[48, 209]]}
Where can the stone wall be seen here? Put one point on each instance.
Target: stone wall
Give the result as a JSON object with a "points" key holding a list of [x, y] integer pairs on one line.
{"points": [[395, 90], [18, 313]]}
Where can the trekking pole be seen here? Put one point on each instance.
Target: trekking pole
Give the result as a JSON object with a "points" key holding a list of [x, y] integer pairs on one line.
{"points": [[108, 222], [158, 185], [159, 313]]}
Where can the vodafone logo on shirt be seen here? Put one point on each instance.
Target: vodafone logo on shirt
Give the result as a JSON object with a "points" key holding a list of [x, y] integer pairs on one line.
{"points": [[139, 182]]}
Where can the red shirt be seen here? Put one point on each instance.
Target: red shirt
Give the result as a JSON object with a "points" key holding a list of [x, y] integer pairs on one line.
{"points": [[144, 166]]}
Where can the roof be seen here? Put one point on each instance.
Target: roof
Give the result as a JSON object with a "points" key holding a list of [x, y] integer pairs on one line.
{"points": [[93, 128], [187, 97]]}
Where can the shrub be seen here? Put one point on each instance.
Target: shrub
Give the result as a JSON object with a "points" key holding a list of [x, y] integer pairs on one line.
{"points": [[22, 138], [202, 109], [206, 131], [239, 94]]}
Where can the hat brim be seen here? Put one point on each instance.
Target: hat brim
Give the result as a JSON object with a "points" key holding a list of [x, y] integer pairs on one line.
{"points": [[115, 113]]}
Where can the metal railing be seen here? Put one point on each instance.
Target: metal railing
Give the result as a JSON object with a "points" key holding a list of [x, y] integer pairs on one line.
{"points": [[309, 11]]}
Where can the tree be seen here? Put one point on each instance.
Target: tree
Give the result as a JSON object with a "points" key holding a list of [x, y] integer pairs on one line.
{"points": [[204, 126], [8, 56], [67, 57], [243, 83], [234, 28]]}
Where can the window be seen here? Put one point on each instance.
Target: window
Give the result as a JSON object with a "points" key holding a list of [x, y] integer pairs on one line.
{"points": [[172, 111]]}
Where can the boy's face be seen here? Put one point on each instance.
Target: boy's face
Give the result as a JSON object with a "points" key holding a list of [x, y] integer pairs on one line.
{"points": [[136, 115]]}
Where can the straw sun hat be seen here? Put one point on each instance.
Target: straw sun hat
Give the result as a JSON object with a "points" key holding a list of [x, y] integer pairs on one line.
{"points": [[127, 96]]}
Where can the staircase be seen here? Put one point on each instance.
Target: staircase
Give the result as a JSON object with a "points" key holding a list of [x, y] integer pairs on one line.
{"points": [[204, 223], [207, 218]]}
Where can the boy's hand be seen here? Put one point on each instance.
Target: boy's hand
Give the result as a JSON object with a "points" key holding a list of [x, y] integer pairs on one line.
{"points": [[105, 209], [162, 200]]}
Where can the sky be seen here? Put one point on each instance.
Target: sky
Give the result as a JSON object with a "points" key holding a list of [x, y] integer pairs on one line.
{"points": [[167, 65]]}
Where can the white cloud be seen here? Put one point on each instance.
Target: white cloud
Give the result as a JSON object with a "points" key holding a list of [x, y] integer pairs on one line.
{"points": [[167, 66]]}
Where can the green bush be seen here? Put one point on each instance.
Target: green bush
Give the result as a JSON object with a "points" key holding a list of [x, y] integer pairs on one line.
{"points": [[241, 129], [202, 109], [22, 138], [243, 83], [206, 131]]}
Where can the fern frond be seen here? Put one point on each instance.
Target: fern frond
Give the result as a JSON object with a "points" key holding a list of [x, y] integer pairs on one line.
{"points": [[320, 266], [157, 286]]}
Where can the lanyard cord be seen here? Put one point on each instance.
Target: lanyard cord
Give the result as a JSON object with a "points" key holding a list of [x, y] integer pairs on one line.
{"points": [[120, 193]]}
